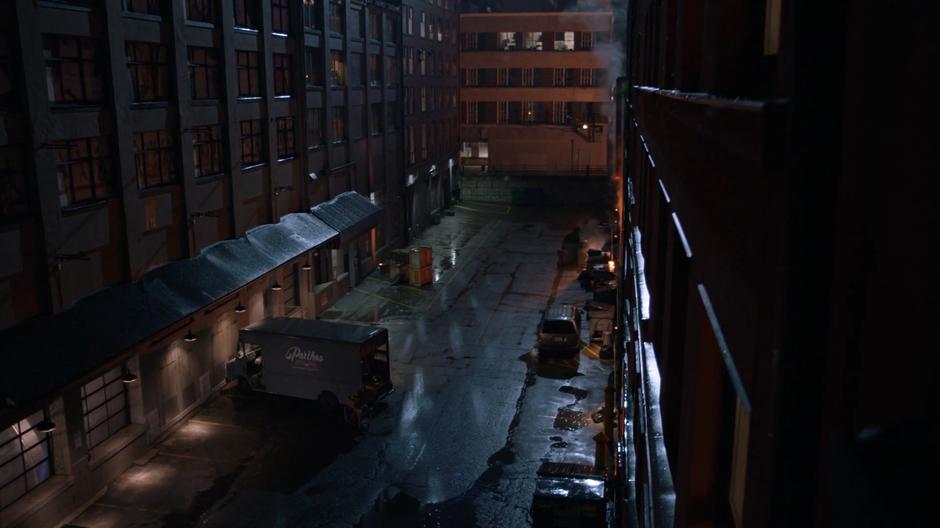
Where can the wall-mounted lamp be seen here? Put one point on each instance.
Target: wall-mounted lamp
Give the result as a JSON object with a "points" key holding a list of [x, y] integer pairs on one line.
{"points": [[283, 188], [129, 377], [276, 286], [190, 337], [239, 308], [46, 425], [306, 266], [584, 126]]}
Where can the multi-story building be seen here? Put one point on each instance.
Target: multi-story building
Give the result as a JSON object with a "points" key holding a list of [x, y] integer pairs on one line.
{"points": [[169, 173], [535, 92], [429, 60], [781, 368]]}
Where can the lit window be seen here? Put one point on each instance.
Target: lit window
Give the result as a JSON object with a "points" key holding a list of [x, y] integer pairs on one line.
{"points": [[25, 458], [104, 407]]}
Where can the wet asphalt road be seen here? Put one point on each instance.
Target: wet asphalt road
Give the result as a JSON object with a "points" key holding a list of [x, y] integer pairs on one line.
{"points": [[473, 415]]}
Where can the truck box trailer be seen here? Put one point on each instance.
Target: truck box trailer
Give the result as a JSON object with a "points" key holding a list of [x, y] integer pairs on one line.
{"points": [[340, 365]]}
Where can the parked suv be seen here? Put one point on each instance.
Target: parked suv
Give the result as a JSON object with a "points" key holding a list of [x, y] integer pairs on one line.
{"points": [[560, 329]]}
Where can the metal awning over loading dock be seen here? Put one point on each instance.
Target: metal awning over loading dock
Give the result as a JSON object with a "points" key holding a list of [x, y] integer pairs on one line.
{"points": [[46, 354], [350, 214]]}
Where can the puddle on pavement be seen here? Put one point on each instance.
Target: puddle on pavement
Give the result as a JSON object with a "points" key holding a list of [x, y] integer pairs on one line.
{"points": [[579, 394], [569, 419]]}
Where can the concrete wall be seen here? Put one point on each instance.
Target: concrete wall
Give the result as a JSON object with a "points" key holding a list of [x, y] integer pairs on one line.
{"points": [[533, 190]]}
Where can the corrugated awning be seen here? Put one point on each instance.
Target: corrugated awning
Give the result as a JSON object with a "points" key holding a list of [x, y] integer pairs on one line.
{"points": [[350, 213], [46, 353]]}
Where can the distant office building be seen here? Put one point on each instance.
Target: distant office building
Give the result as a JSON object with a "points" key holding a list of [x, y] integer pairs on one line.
{"points": [[535, 96], [169, 173], [429, 64]]}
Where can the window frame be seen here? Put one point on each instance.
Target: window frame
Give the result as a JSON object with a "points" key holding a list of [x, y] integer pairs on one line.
{"points": [[208, 139], [97, 164], [210, 65], [286, 145], [85, 61], [155, 64], [167, 173], [109, 379], [254, 139]]}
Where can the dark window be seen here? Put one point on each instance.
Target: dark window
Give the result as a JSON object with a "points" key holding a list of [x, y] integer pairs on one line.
{"points": [[391, 70], [200, 10], [391, 25], [375, 24], [391, 120], [204, 72], [375, 115], [280, 16], [13, 198], [285, 138], [337, 16], [252, 143], [375, 70], [71, 73], [281, 74], [313, 17], [313, 66], [355, 70], [150, 7], [153, 159], [84, 170], [104, 406], [147, 65], [207, 150], [324, 266], [246, 14], [314, 127], [355, 23], [339, 123], [249, 83], [337, 68], [25, 458]]}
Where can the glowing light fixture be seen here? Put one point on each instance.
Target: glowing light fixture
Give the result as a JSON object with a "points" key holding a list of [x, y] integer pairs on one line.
{"points": [[306, 266], [276, 286], [240, 308], [611, 265], [45, 426], [128, 377], [584, 126], [190, 337]]}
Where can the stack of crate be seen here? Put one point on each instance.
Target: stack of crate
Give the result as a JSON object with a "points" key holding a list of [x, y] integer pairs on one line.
{"points": [[420, 272]]}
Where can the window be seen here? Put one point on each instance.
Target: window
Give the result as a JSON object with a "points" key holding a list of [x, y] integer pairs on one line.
{"points": [[153, 159], [423, 25], [337, 68], [411, 145], [471, 114], [356, 30], [375, 118], [507, 40], [246, 14], [586, 40], [83, 170], [149, 7], [532, 41], [471, 77], [313, 74], [280, 16], [281, 74], [355, 70], [249, 84], [375, 24], [391, 25], [71, 73], [424, 141], [391, 67], [313, 17], [13, 198], [314, 127], [529, 114], [375, 70], [470, 41], [25, 458], [147, 65], [200, 10], [207, 150], [564, 41], [204, 72], [339, 123], [391, 115], [252, 143], [423, 98], [104, 407], [409, 22], [337, 16], [285, 138]]}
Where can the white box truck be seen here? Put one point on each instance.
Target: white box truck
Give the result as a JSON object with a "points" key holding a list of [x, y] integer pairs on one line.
{"points": [[342, 366]]}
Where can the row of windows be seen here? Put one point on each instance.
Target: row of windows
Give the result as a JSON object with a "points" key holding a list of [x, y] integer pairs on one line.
{"points": [[84, 165], [428, 26], [419, 61], [533, 41], [533, 77], [429, 140], [429, 99], [531, 112], [74, 77], [247, 15]]}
